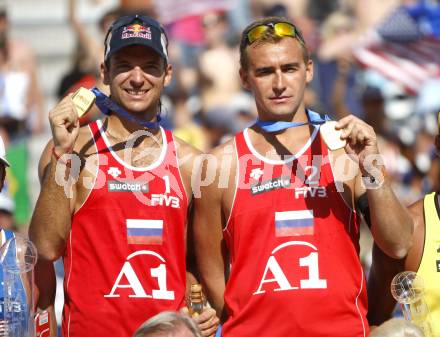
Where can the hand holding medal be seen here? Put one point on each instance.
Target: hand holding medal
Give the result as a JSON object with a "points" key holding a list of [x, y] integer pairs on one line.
{"points": [[332, 136], [83, 100]]}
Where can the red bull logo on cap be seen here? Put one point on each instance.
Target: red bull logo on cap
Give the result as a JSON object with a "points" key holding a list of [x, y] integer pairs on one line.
{"points": [[136, 30]]}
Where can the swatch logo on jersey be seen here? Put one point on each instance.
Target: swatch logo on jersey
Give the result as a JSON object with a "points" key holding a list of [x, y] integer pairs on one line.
{"points": [[270, 185], [127, 186], [144, 232], [294, 223]]}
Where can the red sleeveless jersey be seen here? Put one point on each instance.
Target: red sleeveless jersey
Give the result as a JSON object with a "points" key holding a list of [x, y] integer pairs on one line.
{"points": [[125, 255], [294, 252]]}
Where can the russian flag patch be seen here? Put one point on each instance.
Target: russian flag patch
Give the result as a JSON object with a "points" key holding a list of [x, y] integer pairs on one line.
{"points": [[144, 232], [294, 223]]}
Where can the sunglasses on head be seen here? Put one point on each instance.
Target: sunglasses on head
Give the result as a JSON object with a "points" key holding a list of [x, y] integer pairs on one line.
{"points": [[280, 29]]}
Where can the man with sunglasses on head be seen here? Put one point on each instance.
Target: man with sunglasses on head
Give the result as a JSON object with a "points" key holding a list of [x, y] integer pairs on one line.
{"points": [[114, 201], [276, 234]]}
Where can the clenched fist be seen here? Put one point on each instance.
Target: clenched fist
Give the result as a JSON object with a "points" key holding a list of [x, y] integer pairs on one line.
{"points": [[64, 124]]}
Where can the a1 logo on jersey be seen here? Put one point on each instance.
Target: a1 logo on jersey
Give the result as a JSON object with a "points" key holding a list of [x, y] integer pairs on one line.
{"points": [[279, 278], [129, 279]]}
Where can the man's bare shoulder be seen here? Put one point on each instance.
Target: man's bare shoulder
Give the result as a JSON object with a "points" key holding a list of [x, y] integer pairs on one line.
{"points": [[184, 148], [417, 214], [222, 160], [187, 156], [225, 164], [226, 148], [416, 209]]}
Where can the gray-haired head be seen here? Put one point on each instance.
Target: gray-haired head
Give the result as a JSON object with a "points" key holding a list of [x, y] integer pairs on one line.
{"points": [[168, 324], [397, 328]]}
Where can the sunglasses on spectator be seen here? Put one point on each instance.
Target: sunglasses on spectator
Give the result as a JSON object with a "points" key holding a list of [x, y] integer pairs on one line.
{"points": [[280, 29]]}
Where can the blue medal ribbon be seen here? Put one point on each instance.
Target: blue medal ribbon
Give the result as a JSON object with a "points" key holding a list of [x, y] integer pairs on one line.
{"points": [[313, 117], [106, 105]]}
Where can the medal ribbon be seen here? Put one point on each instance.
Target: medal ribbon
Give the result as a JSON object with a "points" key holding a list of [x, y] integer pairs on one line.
{"points": [[106, 105], [313, 117]]}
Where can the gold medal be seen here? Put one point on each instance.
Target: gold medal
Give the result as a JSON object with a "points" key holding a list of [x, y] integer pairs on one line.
{"points": [[83, 100], [331, 136]]}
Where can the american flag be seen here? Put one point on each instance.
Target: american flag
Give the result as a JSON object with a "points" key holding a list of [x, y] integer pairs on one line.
{"points": [[403, 54]]}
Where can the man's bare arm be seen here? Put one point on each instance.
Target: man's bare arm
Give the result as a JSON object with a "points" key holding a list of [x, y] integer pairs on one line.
{"points": [[384, 268], [391, 224], [208, 238], [340, 89], [49, 229], [45, 282], [187, 155], [35, 94], [50, 223], [380, 301], [94, 51], [207, 321]]}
